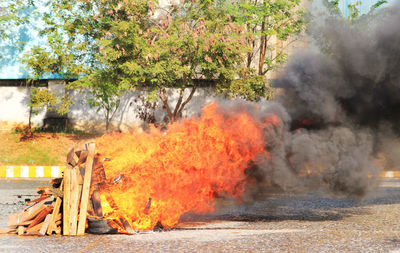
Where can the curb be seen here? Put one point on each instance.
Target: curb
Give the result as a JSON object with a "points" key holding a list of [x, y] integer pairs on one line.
{"points": [[56, 171], [31, 171], [390, 174]]}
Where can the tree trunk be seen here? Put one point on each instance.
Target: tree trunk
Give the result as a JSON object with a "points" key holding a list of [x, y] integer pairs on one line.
{"points": [[107, 120], [263, 46], [164, 99], [180, 104], [30, 118], [263, 50]]}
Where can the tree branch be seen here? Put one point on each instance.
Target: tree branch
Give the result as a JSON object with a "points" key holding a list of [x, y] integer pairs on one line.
{"points": [[178, 104], [164, 99], [187, 100]]}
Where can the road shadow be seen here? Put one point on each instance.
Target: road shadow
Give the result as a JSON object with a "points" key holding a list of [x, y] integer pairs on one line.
{"points": [[314, 206]]}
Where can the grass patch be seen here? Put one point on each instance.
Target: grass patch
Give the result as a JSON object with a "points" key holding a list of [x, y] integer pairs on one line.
{"points": [[47, 149], [36, 155]]}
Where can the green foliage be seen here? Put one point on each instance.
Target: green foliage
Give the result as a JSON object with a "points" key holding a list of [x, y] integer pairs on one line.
{"points": [[251, 88], [332, 6], [378, 4], [266, 25], [72, 51], [354, 9], [358, 22], [41, 98], [266, 21], [195, 40], [12, 15], [104, 94], [114, 46]]}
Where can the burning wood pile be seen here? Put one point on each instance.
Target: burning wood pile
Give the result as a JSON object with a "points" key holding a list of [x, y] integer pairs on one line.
{"points": [[72, 205], [153, 177]]}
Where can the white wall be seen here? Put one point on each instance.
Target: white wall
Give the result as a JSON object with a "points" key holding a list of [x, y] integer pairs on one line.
{"points": [[82, 116], [14, 108]]}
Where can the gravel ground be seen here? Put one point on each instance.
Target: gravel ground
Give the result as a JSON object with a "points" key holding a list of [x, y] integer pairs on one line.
{"points": [[14, 192], [307, 223]]}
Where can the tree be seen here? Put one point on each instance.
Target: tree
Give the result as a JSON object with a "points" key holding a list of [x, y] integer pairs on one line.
{"points": [[174, 45], [14, 14], [39, 64], [72, 52], [40, 98], [267, 24], [11, 15], [105, 94], [354, 9], [356, 19], [114, 46]]}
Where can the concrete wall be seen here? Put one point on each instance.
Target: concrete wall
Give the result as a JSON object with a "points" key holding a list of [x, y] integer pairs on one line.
{"points": [[14, 108], [82, 116]]}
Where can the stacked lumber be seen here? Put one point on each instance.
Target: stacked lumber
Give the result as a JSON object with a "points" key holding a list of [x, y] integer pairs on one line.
{"points": [[42, 216], [72, 204], [63, 207], [77, 184]]}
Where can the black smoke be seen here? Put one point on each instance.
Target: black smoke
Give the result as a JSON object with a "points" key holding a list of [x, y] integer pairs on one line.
{"points": [[339, 109]]}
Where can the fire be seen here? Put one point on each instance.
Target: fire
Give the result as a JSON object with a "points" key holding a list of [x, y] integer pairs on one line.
{"points": [[158, 176]]}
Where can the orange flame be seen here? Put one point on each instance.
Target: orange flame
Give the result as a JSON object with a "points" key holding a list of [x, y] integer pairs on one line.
{"points": [[166, 174]]}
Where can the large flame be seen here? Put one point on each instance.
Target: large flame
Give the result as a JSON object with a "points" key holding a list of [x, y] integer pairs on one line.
{"points": [[166, 174]]}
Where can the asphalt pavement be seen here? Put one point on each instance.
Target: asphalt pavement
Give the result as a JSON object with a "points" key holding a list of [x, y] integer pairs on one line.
{"points": [[284, 223]]}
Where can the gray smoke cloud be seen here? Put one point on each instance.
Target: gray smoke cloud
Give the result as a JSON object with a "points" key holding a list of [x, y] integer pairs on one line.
{"points": [[339, 111]]}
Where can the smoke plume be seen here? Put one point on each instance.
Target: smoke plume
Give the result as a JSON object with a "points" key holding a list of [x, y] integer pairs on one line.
{"points": [[339, 111]]}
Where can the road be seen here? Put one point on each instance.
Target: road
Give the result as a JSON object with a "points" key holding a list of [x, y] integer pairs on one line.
{"points": [[305, 223]]}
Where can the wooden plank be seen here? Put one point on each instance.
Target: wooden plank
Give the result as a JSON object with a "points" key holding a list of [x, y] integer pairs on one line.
{"points": [[58, 230], [66, 200], [21, 230], [74, 203], [54, 216], [56, 182], [72, 158], [44, 190], [28, 214], [98, 178], [41, 216], [28, 203], [15, 219], [96, 202], [79, 177], [86, 189], [83, 156], [148, 205], [25, 223], [45, 225], [7, 230], [127, 225], [31, 209], [98, 174], [59, 216], [35, 229]]}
